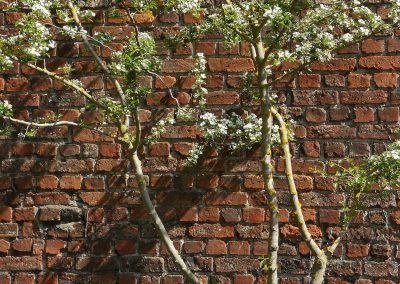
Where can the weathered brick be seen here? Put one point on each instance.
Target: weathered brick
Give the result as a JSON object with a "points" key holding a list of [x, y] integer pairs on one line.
{"points": [[367, 97], [380, 62], [230, 65]]}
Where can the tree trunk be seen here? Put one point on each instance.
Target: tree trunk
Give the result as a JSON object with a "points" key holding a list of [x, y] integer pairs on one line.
{"points": [[267, 173], [273, 241], [319, 268], [136, 164]]}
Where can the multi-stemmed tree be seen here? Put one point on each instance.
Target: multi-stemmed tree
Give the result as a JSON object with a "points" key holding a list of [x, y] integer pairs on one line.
{"points": [[285, 37], [31, 42]]}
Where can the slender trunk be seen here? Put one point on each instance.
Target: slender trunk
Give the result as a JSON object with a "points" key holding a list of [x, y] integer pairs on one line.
{"points": [[321, 258], [258, 56], [267, 173], [319, 268], [273, 241], [136, 164]]}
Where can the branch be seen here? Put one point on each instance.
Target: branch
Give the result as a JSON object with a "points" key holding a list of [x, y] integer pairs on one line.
{"points": [[292, 186], [99, 61], [57, 123], [66, 82]]}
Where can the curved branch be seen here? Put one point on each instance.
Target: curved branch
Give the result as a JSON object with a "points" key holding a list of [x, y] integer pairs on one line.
{"points": [[99, 61], [66, 82], [55, 124], [292, 186]]}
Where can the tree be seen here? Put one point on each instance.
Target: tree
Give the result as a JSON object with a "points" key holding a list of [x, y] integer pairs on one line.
{"points": [[285, 38], [31, 43]]}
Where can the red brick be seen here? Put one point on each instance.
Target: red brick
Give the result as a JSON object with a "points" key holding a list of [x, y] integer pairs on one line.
{"points": [[177, 65], [335, 149], [359, 150], [357, 250], [32, 100], [5, 214], [395, 216], [207, 48], [243, 279], [159, 149], [22, 149], [46, 150], [309, 81], [380, 62], [165, 82], [334, 80], [386, 80], [193, 247], [303, 248], [337, 64], [4, 247], [92, 82], [93, 183], [15, 84], [363, 114], [312, 149], [222, 98], [230, 65], [253, 215], [393, 45], [69, 150], [226, 198], [359, 80], [211, 231], [71, 182], [183, 148], [215, 247], [316, 115], [388, 114], [169, 17], [41, 84], [95, 214], [367, 97], [239, 248], [119, 33], [23, 183], [189, 18], [24, 214], [188, 215], [54, 246], [329, 216], [24, 278], [24, 245], [260, 248], [209, 214], [47, 182], [48, 278], [373, 46], [308, 98], [125, 247]]}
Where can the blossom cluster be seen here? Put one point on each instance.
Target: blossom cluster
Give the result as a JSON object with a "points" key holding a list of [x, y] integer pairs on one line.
{"points": [[5, 108]]}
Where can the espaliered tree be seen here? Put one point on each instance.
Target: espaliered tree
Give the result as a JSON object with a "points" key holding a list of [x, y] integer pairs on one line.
{"points": [[34, 37], [285, 37]]}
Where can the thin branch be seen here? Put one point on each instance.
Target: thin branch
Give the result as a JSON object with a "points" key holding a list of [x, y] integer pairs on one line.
{"points": [[292, 186], [165, 84], [57, 123], [40, 125], [99, 61], [66, 82]]}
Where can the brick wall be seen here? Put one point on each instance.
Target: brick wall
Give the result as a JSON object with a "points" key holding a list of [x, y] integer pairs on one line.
{"points": [[66, 216]]}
